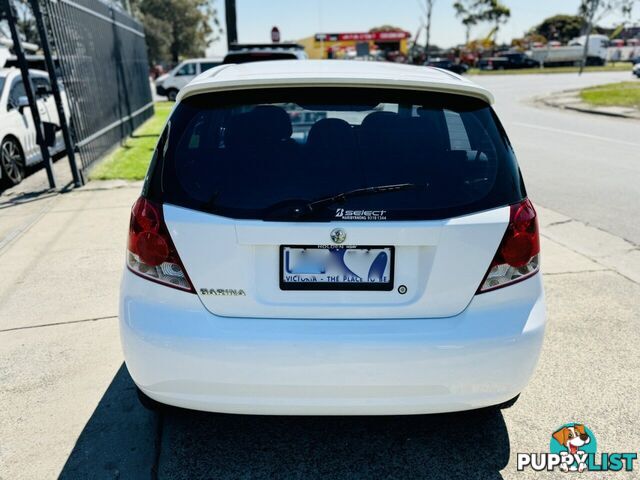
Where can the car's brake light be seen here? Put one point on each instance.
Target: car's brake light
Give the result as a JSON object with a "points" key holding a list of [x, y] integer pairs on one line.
{"points": [[517, 257], [150, 250]]}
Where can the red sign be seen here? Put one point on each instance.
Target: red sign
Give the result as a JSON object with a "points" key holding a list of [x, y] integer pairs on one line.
{"points": [[392, 36], [275, 35]]}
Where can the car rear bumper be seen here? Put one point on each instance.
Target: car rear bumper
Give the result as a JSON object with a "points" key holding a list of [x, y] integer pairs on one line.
{"points": [[180, 354]]}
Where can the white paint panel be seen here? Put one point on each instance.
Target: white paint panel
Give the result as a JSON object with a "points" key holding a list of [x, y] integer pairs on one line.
{"points": [[441, 263]]}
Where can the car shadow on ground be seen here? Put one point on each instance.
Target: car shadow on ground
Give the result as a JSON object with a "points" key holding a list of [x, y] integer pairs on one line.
{"points": [[121, 439], [30, 170]]}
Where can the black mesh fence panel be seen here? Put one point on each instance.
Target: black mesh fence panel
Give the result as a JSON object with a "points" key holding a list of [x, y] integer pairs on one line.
{"points": [[102, 61]]}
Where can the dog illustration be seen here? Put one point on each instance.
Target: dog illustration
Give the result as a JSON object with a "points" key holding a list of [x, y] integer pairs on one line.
{"points": [[572, 438]]}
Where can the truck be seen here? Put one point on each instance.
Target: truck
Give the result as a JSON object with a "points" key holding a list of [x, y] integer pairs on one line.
{"points": [[571, 54]]}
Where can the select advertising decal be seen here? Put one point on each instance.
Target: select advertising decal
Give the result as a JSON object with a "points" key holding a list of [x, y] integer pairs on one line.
{"points": [[573, 448]]}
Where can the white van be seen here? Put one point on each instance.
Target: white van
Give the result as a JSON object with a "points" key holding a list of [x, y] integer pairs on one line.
{"points": [[170, 83]]}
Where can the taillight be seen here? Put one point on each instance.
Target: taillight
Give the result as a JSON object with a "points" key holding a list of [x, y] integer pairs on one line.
{"points": [[150, 250], [517, 257]]}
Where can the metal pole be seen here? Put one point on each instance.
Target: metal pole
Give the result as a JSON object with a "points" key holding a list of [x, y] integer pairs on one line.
{"points": [[593, 6], [232, 27], [428, 41], [28, 88], [78, 181]]}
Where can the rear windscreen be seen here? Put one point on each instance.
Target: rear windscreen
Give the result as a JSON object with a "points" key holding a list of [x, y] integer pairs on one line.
{"points": [[317, 154]]}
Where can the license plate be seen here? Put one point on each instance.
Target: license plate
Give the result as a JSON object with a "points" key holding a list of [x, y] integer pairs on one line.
{"points": [[319, 267]]}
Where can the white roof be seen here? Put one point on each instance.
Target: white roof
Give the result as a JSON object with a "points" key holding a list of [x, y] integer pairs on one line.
{"points": [[4, 72], [202, 59], [345, 73]]}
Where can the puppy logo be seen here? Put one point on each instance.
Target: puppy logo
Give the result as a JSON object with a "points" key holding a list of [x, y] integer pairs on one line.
{"points": [[576, 440], [573, 448]]}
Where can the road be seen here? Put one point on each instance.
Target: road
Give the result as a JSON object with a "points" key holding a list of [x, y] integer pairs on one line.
{"points": [[584, 166], [68, 404]]}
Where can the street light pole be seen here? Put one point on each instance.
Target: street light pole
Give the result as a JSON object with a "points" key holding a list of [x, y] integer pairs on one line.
{"points": [[592, 5], [230, 16], [429, 9]]}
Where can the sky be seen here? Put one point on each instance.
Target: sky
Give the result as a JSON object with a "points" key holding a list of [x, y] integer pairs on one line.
{"points": [[297, 19]]}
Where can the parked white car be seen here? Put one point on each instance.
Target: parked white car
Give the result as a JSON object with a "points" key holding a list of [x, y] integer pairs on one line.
{"points": [[18, 147], [332, 238], [636, 70], [169, 84]]}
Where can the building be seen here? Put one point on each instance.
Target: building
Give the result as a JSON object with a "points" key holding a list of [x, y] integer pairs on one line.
{"points": [[340, 45]]}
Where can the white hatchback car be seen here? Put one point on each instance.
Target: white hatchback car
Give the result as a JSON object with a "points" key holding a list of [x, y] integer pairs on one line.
{"points": [[332, 238], [169, 84], [18, 147]]}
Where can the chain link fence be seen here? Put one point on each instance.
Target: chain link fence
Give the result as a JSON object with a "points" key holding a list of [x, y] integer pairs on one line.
{"points": [[103, 65], [98, 51]]}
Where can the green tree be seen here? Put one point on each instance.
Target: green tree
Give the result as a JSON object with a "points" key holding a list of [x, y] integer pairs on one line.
{"points": [[157, 37], [25, 22], [598, 9], [386, 28], [496, 13], [469, 14], [472, 12], [560, 27], [176, 29]]}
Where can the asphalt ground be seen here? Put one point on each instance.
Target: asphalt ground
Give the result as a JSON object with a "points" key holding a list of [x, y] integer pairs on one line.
{"points": [[69, 408], [584, 166]]}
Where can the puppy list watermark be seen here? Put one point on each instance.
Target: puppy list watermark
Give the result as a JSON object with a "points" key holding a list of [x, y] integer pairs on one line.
{"points": [[573, 449]]}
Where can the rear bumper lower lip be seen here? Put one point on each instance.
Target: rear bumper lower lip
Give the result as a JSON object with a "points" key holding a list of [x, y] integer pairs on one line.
{"points": [[183, 355]]}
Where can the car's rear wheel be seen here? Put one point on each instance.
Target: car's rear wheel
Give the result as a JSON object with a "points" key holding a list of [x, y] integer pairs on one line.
{"points": [[172, 93], [11, 161]]}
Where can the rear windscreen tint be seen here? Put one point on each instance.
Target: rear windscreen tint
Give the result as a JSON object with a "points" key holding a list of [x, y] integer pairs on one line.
{"points": [[267, 154]]}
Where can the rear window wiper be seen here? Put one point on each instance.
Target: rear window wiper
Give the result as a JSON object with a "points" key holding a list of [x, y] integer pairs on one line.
{"points": [[340, 197]]}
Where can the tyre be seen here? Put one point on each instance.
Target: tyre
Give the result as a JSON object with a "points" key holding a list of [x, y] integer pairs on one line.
{"points": [[11, 161], [172, 93]]}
